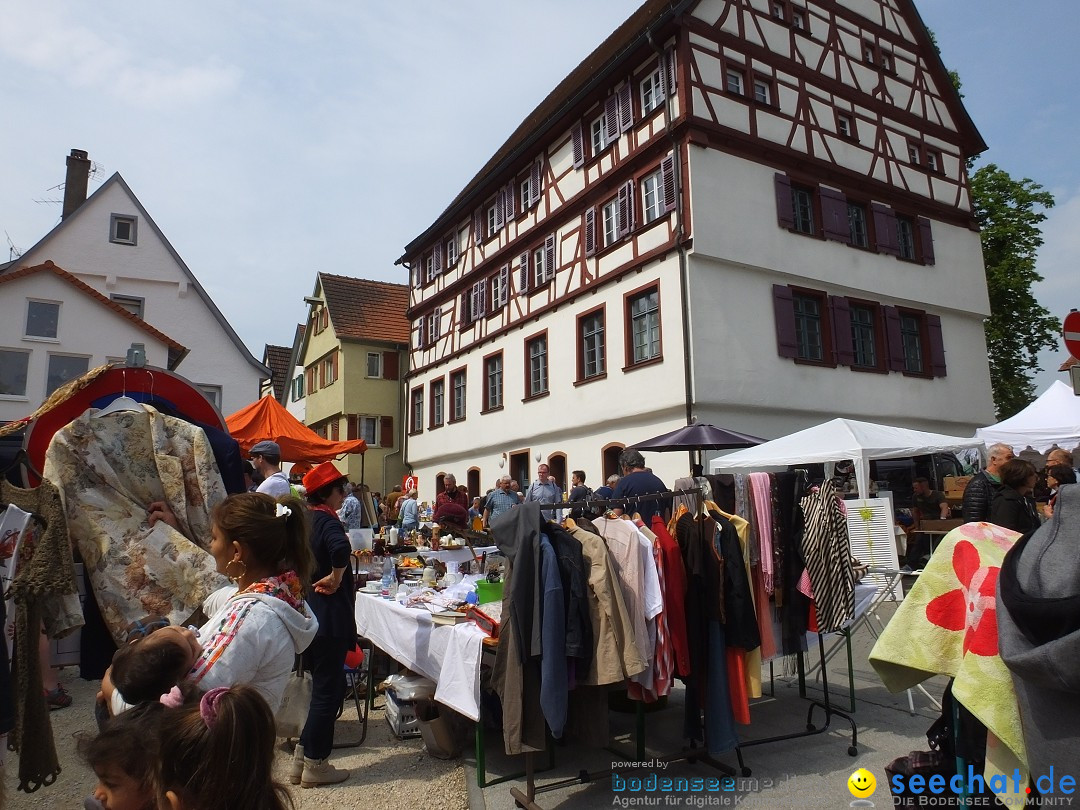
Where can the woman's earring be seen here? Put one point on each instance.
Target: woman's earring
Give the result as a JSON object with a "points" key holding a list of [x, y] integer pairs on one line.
{"points": [[236, 561]]}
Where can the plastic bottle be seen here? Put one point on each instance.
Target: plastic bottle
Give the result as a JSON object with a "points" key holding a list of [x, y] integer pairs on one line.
{"points": [[387, 574], [402, 594]]}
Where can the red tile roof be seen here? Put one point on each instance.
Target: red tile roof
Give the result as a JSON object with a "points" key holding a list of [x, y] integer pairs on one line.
{"points": [[86, 289], [1072, 361], [361, 309], [277, 359]]}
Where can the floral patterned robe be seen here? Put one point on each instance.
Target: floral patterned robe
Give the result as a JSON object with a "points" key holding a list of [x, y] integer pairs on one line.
{"points": [[109, 469]]}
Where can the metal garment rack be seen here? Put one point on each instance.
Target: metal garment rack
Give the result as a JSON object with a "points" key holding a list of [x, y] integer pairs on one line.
{"points": [[690, 754]]}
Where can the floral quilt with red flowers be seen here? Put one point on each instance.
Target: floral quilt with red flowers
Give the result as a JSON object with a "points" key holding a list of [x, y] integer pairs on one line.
{"points": [[947, 625]]}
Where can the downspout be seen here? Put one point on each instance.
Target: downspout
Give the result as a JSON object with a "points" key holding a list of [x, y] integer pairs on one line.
{"points": [[680, 233]]}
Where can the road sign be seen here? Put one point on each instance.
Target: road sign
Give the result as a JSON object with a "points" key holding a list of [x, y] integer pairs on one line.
{"points": [[408, 483], [1071, 331]]}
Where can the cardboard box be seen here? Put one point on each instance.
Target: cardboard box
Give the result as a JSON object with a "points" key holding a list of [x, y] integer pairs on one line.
{"points": [[955, 485]]}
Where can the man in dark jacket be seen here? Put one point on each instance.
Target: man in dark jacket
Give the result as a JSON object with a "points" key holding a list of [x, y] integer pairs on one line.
{"points": [[981, 489]]}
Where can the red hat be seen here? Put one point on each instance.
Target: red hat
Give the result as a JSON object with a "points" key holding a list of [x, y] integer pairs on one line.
{"points": [[325, 473]]}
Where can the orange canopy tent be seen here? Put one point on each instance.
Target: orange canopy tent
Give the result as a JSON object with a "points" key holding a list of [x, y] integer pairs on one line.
{"points": [[268, 419]]}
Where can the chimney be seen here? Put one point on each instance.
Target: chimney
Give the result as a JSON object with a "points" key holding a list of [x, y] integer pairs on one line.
{"points": [[78, 177]]}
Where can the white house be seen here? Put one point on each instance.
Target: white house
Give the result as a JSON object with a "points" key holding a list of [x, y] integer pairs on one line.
{"points": [[111, 244], [750, 213]]}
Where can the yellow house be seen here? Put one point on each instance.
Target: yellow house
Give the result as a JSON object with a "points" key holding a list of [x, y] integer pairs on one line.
{"points": [[354, 354]]}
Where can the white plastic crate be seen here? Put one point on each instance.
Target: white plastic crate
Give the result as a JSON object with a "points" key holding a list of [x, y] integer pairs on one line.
{"points": [[401, 715]]}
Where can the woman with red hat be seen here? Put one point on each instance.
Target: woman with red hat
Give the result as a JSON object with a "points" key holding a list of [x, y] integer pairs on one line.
{"points": [[331, 600]]}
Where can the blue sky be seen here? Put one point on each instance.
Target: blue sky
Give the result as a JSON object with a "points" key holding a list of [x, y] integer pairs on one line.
{"points": [[272, 140]]}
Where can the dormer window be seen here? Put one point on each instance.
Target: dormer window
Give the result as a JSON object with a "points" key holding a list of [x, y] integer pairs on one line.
{"points": [[123, 230]]}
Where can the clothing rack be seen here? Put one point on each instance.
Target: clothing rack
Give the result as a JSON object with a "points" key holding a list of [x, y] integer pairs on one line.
{"points": [[690, 754]]}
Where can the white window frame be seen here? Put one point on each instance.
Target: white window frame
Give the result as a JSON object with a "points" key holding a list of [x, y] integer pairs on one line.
{"points": [[539, 267], [539, 379], [610, 220], [762, 91], [433, 327], [378, 365], [26, 320], [598, 134], [500, 288], [48, 368], [526, 193], [491, 219], [132, 303], [643, 325], [735, 81], [416, 410], [493, 382], [298, 388], [429, 267], [438, 403], [212, 392], [844, 125], [370, 437], [126, 219], [328, 377], [458, 394], [652, 203], [593, 351], [26, 376], [478, 300], [652, 90]]}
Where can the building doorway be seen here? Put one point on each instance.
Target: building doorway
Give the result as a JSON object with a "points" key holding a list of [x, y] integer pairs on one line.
{"points": [[472, 481], [557, 467], [519, 468], [609, 460]]}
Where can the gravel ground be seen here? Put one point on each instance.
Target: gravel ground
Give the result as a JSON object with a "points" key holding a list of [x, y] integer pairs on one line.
{"points": [[387, 773]]}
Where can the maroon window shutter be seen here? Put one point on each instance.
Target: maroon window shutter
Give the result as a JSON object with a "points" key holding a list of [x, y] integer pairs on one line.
{"points": [[386, 431], [894, 339], [549, 255], [626, 110], [478, 226], [785, 212], [535, 181], [390, 363], [937, 345], [577, 138], [509, 199], [840, 315], [611, 113], [350, 427], [834, 215], [885, 229], [465, 307], [337, 374], [335, 430], [523, 280], [590, 231], [667, 177], [926, 241], [669, 72], [786, 343], [437, 260]]}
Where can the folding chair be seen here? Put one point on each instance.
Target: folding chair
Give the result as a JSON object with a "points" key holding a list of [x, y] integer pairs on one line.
{"points": [[360, 688]]}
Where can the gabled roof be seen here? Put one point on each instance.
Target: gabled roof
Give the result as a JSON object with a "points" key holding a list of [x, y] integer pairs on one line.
{"points": [[276, 359], [596, 69], [177, 351], [361, 309], [296, 358], [1072, 361], [116, 179]]}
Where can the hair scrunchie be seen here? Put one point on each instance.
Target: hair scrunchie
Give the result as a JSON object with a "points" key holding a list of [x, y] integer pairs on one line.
{"points": [[282, 510], [173, 699], [208, 705]]}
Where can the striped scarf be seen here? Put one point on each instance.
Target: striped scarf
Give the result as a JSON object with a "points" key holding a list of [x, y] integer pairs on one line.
{"points": [[827, 554]]}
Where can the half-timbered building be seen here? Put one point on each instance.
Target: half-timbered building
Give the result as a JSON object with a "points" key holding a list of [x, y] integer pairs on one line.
{"points": [[753, 213]]}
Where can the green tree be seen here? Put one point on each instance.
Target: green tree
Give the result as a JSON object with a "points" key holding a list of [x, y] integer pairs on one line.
{"points": [[1009, 212]]}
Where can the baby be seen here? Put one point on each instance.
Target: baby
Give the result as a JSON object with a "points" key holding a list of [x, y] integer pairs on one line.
{"points": [[149, 669]]}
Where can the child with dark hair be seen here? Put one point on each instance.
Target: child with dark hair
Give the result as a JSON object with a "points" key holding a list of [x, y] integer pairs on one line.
{"points": [[218, 754], [123, 756], [149, 667]]}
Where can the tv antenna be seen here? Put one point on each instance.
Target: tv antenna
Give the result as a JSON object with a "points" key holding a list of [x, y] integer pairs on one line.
{"points": [[13, 252]]}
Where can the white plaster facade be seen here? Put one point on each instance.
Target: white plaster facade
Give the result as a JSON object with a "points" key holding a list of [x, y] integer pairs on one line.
{"points": [[848, 101], [150, 269]]}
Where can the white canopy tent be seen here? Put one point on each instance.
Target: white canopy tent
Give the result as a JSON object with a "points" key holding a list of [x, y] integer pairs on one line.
{"points": [[840, 440], [1052, 419]]}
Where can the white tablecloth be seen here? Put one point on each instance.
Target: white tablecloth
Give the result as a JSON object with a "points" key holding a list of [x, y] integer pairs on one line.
{"points": [[447, 654]]}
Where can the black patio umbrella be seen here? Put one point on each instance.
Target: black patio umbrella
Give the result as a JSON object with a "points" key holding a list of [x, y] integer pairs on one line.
{"points": [[698, 436]]}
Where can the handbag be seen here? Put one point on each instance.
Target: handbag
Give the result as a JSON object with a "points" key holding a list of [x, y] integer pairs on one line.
{"points": [[295, 702]]}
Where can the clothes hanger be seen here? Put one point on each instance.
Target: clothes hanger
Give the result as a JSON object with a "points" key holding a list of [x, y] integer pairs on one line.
{"points": [[21, 457], [122, 402]]}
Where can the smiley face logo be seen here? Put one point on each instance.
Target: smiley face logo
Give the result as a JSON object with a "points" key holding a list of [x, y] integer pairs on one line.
{"points": [[861, 783]]}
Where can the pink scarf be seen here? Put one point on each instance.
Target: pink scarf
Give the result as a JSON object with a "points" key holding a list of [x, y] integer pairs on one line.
{"points": [[761, 503]]}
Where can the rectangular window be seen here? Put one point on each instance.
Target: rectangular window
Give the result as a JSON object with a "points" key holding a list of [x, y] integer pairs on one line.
{"points": [[298, 388], [213, 393], [429, 267], [329, 369], [526, 193], [645, 326], [591, 340], [652, 91], [536, 351], [911, 340], [914, 153], [64, 368], [437, 403], [735, 81], [457, 396], [500, 288], [802, 203], [864, 336], [130, 303], [42, 319], [808, 327], [843, 126], [14, 367], [856, 214], [905, 234], [798, 20], [611, 222], [869, 53], [416, 407], [493, 382], [598, 134], [777, 10], [369, 429], [123, 230], [478, 300], [652, 194], [542, 272], [433, 323], [492, 219], [762, 91], [374, 364], [933, 161], [451, 252]]}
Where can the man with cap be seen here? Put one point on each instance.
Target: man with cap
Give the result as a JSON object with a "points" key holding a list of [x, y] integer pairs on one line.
{"points": [[266, 457]]}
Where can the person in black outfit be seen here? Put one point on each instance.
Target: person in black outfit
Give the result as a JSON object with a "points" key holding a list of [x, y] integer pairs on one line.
{"points": [[981, 489], [1013, 506], [331, 600]]}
